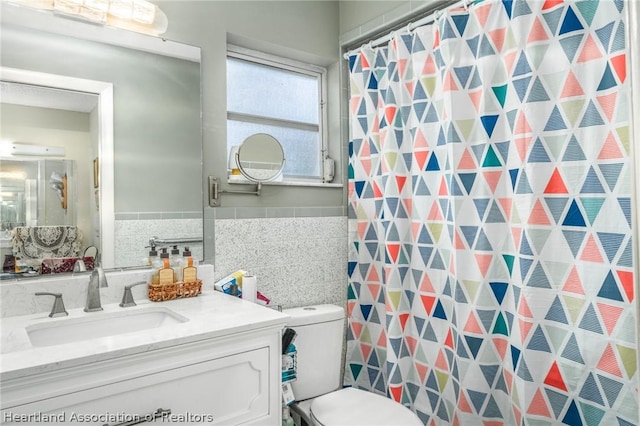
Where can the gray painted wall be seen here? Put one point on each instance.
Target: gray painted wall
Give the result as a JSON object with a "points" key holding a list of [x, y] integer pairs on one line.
{"points": [[360, 21], [356, 13], [302, 30]]}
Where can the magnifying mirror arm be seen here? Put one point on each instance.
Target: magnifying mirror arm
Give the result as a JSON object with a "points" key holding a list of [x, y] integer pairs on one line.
{"points": [[256, 192]]}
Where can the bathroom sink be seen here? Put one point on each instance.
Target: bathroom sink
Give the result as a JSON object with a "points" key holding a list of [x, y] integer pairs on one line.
{"points": [[96, 325]]}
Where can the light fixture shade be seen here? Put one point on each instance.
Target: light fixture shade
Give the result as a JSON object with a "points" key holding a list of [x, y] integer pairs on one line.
{"points": [[67, 6], [36, 4], [92, 14], [13, 175], [37, 150], [101, 5], [159, 25], [143, 12], [67, 3], [121, 8], [134, 15]]}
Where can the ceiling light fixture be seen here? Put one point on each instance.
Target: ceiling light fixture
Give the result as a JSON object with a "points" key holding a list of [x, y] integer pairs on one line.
{"points": [[13, 175], [37, 150], [136, 15]]}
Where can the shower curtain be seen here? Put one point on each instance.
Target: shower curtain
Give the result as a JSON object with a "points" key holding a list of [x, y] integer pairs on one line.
{"points": [[491, 259]]}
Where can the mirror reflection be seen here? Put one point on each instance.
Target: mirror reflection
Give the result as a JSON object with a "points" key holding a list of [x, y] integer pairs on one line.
{"points": [[35, 194], [260, 158], [146, 183]]}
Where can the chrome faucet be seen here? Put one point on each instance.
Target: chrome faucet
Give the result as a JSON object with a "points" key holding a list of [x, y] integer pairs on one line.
{"points": [[97, 280]]}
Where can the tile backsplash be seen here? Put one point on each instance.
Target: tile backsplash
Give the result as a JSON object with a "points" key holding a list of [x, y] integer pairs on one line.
{"points": [[17, 296], [132, 234], [298, 260]]}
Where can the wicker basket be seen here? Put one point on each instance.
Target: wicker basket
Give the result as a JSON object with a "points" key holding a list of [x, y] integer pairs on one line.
{"points": [[178, 290]]}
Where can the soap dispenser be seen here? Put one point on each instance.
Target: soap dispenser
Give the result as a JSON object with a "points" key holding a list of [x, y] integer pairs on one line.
{"points": [[166, 275], [174, 262], [188, 259], [153, 255], [188, 267], [159, 264]]}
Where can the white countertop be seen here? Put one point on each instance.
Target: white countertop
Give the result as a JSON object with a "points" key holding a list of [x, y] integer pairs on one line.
{"points": [[210, 315]]}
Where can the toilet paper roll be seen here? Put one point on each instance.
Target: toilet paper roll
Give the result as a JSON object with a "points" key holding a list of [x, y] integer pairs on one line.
{"points": [[250, 288]]}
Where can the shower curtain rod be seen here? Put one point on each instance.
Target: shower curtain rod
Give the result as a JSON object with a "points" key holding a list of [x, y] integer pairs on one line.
{"points": [[410, 27]]}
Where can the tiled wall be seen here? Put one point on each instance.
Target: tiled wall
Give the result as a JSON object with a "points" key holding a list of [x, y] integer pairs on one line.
{"points": [[299, 260], [133, 231]]}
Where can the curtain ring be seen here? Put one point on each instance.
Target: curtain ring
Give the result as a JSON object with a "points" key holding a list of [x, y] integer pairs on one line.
{"points": [[437, 14], [410, 28]]}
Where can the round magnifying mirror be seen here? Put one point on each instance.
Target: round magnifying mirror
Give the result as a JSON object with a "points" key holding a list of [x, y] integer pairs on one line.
{"points": [[260, 158]]}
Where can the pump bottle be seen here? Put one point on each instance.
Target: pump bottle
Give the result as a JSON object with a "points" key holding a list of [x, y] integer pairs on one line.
{"points": [[188, 266], [174, 262], [159, 264], [153, 255]]}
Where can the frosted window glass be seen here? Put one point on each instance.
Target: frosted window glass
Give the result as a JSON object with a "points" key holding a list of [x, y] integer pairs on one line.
{"points": [[261, 90], [301, 147]]}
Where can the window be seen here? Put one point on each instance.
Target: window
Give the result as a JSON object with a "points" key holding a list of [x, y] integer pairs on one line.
{"points": [[267, 94]]}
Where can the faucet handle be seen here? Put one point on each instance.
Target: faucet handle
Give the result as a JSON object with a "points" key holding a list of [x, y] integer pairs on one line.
{"points": [[57, 310], [127, 296]]}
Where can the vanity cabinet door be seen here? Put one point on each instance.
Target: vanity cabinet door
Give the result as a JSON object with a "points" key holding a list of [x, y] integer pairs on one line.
{"points": [[226, 391]]}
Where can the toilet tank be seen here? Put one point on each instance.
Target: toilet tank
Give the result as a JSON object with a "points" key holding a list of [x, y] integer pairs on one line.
{"points": [[319, 339]]}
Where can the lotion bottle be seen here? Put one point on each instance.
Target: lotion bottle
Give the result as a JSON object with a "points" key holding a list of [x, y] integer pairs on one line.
{"points": [[186, 255], [158, 263], [166, 275], [188, 266], [153, 255], [175, 262]]}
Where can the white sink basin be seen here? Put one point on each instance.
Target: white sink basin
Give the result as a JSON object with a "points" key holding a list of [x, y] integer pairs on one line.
{"points": [[96, 325]]}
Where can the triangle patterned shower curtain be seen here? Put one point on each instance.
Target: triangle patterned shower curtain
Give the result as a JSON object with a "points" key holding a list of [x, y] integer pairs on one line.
{"points": [[491, 263]]}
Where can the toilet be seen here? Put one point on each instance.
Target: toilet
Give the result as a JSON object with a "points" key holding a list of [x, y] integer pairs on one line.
{"points": [[320, 398]]}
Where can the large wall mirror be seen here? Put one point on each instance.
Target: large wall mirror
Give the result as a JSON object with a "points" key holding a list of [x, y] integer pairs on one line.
{"points": [[128, 120]]}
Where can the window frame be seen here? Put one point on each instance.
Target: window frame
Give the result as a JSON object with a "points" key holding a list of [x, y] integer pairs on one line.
{"points": [[291, 65]]}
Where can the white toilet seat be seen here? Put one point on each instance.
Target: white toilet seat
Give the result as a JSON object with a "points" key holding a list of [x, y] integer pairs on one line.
{"points": [[355, 407]]}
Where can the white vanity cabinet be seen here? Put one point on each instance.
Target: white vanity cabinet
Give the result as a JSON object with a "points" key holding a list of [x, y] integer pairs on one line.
{"points": [[229, 379]]}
